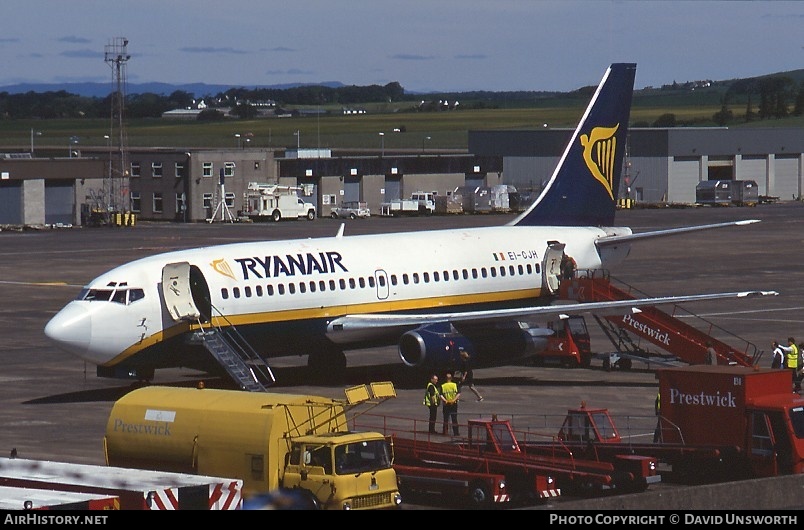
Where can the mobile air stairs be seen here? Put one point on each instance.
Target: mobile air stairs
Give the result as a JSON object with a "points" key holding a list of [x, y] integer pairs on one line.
{"points": [[684, 342], [243, 364]]}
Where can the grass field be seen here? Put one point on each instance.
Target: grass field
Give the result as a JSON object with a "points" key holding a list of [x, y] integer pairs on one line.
{"points": [[423, 130]]}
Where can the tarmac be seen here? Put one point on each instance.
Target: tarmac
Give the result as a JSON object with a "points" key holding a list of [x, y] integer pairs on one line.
{"points": [[55, 408]]}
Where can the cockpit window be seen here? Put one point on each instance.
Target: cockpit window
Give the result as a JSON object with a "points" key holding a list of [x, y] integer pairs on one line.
{"points": [[121, 296]]}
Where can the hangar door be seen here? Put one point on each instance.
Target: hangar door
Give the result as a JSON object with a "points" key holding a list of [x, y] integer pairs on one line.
{"points": [[59, 203], [11, 199], [351, 188]]}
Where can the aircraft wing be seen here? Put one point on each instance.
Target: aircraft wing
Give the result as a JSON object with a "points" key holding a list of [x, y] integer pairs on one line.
{"points": [[616, 240], [388, 321]]}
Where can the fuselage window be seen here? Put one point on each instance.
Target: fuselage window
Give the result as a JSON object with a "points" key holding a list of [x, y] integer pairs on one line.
{"points": [[474, 274], [280, 288], [537, 268], [371, 281], [381, 281], [332, 285], [511, 270], [312, 286], [405, 278], [362, 282], [236, 292], [446, 276], [135, 294], [426, 277], [493, 272], [342, 284], [484, 273], [322, 285], [302, 287], [225, 293], [455, 274], [436, 276], [415, 277], [292, 288], [529, 268], [521, 270], [393, 279], [465, 274], [270, 290], [258, 290], [351, 283], [502, 270], [247, 290]]}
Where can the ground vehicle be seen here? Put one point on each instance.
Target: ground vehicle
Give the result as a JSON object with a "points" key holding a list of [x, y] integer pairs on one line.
{"points": [[478, 489], [752, 409], [420, 203], [727, 192], [131, 489], [270, 441], [351, 210], [570, 346], [274, 202]]}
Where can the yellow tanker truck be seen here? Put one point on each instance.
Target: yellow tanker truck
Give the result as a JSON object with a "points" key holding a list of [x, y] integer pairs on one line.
{"points": [[272, 442]]}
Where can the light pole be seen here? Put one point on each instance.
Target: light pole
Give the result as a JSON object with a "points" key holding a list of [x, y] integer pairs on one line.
{"points": [[382, 144], [37, 133], [424, 140], [73, 141], [297, 134]]}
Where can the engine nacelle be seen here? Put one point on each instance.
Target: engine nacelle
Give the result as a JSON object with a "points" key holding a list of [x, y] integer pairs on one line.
{"points": [[436, 346]]}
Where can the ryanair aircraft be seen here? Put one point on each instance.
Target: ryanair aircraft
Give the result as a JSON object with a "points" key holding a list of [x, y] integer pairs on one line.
{"points": [[235, 306]]}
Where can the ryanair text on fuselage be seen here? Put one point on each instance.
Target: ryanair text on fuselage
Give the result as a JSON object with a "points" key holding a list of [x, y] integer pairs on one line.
{"points": [[291, 265]]}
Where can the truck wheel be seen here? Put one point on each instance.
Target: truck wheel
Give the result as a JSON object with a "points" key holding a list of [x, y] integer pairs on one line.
{"points": [[478, 496], [352, 216], [276, 216], [310, 215], [334, 215]]}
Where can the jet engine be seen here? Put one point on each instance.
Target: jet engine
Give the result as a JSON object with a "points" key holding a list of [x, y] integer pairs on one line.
{"points": [[436, 346]]}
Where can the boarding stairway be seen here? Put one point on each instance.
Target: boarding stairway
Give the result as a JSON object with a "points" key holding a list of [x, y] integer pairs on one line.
{"points": [[662, 329], [243, 364]]}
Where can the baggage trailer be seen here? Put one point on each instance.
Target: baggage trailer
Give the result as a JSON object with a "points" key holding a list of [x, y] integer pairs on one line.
{"points": [[493, 447], [136, 489], [451, 485]]}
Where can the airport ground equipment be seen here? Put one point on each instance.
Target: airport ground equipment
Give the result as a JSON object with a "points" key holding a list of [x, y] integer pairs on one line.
{"points": [[274, 202], [669, 331], [451, 486], [492, 446], [751, 408], [15, 498], [272, 442], [716, 423], [132, 489], [727, 193]]}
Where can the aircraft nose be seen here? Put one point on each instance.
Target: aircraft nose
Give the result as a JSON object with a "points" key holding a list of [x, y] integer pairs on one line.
{"points": [[71, 329]]}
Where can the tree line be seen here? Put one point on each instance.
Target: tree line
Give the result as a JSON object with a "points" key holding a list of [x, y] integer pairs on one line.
{"points": [[768, 97]]}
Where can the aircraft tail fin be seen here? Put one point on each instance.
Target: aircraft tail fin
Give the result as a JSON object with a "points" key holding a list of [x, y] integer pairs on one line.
{"points": [[583, 188]]}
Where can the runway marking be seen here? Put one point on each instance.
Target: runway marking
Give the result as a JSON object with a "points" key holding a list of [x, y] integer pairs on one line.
{"points": [[41, 284]]}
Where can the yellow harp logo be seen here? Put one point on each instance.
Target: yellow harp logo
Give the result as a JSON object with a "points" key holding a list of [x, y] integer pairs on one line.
{"points": [[222, 267], [598, 153]]}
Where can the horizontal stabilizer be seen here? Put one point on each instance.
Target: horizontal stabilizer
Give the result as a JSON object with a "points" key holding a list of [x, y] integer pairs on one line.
{"points": [[616, 240]]}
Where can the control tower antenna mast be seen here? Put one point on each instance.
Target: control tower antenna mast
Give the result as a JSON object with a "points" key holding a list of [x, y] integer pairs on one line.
{"points": [[115, 54]]}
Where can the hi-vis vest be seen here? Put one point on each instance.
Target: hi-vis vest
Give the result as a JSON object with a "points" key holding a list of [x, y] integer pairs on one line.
{"points": [[792, 356], [450, 390], [426, 402]]}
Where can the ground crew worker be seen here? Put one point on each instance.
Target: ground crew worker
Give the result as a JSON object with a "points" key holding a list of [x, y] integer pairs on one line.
{"points": [[792, 362], [449, 398], [432, 399]]}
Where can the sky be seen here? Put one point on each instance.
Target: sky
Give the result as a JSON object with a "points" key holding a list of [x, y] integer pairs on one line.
{"points": [[425, 45]]}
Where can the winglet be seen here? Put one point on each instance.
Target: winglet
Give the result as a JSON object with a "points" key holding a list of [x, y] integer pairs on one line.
{"points": [[340, 231]]}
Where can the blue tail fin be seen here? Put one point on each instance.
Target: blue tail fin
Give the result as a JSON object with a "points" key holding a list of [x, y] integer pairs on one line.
{"points": [[583, 188]]}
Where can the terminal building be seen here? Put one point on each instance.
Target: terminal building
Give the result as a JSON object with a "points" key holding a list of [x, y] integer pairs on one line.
{"points": [[179, 185]]}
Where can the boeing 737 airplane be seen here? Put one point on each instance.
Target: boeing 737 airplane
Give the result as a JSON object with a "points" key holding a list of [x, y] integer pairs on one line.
{"points": [[233, 307]]}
